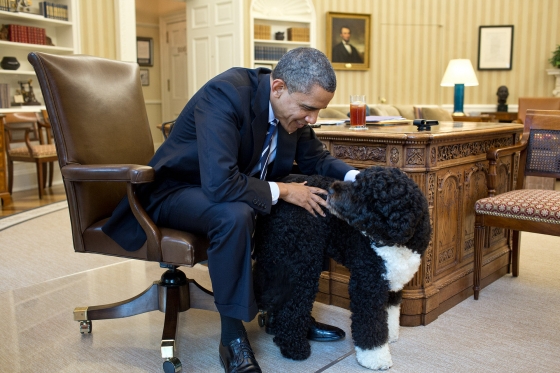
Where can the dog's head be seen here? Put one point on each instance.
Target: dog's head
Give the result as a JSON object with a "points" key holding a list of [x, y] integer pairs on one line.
{"points": [[385, 205]]}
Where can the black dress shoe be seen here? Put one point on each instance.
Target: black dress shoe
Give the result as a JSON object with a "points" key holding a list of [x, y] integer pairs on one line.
{"points": [[317, 331], [238, 357], [320, 332]]}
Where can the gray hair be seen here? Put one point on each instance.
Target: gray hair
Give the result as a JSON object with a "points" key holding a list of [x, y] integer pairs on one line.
{"points": [[303, 68]]}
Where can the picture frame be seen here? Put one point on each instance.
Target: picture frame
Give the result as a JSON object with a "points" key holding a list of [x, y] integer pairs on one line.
{"points": [[495, 47], [145, 51], [145, 77], [355, 29]]}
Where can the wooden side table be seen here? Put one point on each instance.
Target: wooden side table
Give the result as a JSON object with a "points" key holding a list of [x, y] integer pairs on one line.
{"points": [[503, 116]]}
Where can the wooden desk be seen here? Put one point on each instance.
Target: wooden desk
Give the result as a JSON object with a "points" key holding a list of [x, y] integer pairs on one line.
{"points": [[449, 164], [502, 116], [4, 194]]}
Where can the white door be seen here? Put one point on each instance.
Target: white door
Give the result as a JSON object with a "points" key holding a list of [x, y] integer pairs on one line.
{"points": [[174, 63], [214, 39]]}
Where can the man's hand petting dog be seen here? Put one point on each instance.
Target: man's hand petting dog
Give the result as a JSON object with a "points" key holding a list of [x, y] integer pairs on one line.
{"points": [[304, 196]]}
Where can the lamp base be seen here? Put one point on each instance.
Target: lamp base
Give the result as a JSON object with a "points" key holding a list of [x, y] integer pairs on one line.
{"points": [[458, 99], [459, 114]]}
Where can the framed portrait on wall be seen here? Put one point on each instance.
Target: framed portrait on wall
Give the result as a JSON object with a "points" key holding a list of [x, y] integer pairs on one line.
{"points": [[495, 47], [348, 40], [145, 77], [145, 51]]}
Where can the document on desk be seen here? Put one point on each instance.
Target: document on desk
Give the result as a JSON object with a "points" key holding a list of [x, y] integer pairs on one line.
{"points": [[385, 120]]}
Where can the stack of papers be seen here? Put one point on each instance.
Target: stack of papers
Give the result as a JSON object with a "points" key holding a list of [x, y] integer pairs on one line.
{"points": [[377, 119]]}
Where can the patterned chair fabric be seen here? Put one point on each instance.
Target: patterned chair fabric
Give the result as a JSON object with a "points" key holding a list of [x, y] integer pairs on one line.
{"points": [[525, 204]]}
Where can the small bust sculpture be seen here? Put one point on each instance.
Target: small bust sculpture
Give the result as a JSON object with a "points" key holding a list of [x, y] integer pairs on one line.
{"points": [[502, 94]]}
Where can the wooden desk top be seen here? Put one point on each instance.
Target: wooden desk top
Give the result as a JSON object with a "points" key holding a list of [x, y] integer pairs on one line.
{"points": [[444, 130]]}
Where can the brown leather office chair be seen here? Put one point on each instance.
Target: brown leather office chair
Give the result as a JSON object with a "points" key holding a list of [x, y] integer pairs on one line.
{"points": [[522, 209], [35, 133], [535, 103], [99, 120]]}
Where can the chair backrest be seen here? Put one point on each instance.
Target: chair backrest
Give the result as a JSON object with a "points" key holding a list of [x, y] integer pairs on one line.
{"points": [[98, 116], [434, 113], [15, 125], [542, 154], [537, 103]]}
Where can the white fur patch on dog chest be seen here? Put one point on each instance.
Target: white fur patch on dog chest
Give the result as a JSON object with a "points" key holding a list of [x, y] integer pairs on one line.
{"points": [[401, 264]]}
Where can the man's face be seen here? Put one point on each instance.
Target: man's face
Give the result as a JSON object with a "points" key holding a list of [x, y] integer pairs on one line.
{"points": [[345, 34], [297, 109]]}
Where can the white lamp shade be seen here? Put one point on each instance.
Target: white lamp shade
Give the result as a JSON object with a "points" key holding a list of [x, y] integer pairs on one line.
{"points": [[459, 72]]}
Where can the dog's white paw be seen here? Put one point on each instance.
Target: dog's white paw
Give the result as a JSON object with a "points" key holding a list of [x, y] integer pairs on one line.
{"points": [[393, 322], [378, 358]]}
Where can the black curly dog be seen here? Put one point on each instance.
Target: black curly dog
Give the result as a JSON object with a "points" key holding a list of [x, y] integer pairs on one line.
{"points": [[377, 226]]}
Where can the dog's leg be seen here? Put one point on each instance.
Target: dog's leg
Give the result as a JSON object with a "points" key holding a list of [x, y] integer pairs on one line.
{"points": [[394, 314], [292, 319], [369, 297]]}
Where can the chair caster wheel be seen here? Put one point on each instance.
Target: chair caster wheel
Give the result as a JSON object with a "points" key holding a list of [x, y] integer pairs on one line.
{"points": [[85, 326], [262, 319], [172, 365]]}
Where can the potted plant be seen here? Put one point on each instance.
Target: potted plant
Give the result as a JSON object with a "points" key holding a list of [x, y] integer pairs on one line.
{"points": [[555, 59]]}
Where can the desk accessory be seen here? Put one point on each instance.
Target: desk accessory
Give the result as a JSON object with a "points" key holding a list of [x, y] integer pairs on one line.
{"points": [[425, 124]]}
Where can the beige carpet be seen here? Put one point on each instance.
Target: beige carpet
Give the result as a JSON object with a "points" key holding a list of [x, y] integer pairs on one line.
{"points": [[514, 327]]}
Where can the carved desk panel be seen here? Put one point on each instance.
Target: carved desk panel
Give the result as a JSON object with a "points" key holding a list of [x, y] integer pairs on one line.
{"points": [[449, 164]]}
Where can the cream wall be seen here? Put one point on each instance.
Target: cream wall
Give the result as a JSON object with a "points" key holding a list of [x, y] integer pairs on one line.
{"points": [[411, 43], [98, 39], [413, 40]]}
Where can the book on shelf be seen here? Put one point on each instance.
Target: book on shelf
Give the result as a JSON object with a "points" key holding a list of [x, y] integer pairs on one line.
{"points": [[26, 34], [266, 53], [4, 95], [298, 34], [8, 5], [54, 11], [262, 32]]}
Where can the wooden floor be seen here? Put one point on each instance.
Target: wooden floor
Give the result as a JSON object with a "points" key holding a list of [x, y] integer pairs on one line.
{"points": [[29, 199]]}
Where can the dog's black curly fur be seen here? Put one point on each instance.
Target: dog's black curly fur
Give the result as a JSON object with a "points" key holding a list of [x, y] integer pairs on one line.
{"points": [[382, 207]]}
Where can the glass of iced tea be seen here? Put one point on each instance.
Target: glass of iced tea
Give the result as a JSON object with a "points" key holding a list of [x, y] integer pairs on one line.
{"points": [[358, 112]]}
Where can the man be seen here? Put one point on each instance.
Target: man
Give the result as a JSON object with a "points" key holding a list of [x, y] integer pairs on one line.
{"points": [[209, 179], [344, 51]]}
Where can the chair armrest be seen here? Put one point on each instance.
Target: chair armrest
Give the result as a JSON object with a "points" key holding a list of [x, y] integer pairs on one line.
{"points": [[493, 155], [135, 174], [131, 174]]}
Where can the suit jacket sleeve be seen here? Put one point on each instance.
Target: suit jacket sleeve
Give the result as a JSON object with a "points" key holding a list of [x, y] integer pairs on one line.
{"points": [[224, 131]]}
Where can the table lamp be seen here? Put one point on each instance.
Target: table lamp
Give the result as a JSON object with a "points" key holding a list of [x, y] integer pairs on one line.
{"points": [[459, 73]]}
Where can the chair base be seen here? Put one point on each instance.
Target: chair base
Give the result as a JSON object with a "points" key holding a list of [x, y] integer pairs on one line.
{"points": [[172, 294]]}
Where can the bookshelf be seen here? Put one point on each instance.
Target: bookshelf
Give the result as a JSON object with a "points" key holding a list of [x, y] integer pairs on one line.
{"points": [[63, 34], [294, 18]]}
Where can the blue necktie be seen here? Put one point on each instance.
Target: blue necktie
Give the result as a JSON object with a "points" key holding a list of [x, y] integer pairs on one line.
{"points": [[265, 155]]}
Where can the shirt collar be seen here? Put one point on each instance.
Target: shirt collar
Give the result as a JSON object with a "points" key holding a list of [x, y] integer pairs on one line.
{"points": [[271, 116]]}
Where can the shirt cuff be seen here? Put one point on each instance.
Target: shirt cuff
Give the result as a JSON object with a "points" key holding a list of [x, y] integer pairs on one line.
{"points": [[351, 175], [274, 191]]}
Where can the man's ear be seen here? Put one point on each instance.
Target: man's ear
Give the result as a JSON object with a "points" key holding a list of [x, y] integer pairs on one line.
{"points": [[277, 87]]}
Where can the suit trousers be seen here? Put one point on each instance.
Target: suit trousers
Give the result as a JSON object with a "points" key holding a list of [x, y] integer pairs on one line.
{"points": [[229, 227]]}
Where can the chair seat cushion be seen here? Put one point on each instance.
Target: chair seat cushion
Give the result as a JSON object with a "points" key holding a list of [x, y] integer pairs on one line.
{"points": [[38, 151], [526, 204], [178, 247]]}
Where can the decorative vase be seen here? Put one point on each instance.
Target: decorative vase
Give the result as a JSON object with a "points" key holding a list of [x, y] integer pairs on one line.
{"points": [[279, 35], [9, 63]]}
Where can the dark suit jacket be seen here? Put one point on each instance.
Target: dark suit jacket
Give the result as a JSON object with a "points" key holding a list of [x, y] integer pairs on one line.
{"points": [[215, 143], [340, 54]]}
